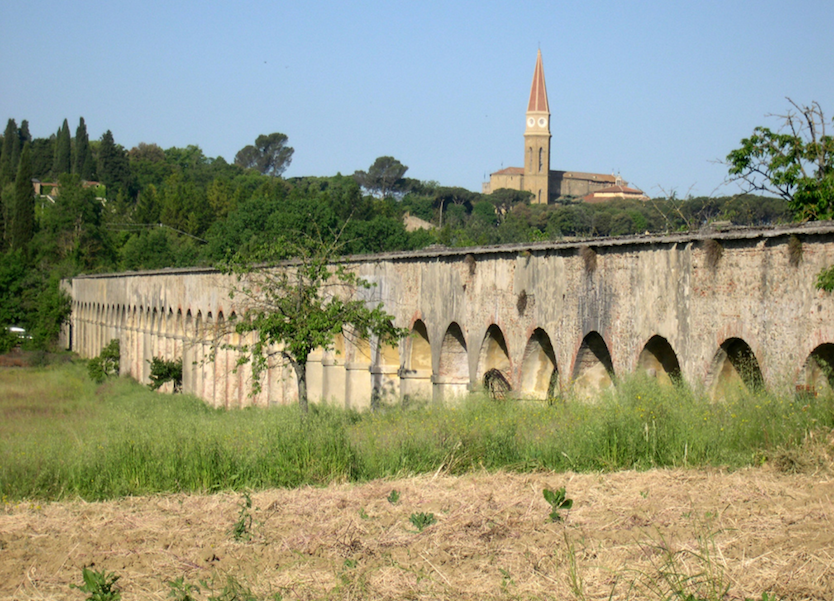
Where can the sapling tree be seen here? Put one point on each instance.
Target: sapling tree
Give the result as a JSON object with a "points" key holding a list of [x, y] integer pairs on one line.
{"points": [[296, 297]]}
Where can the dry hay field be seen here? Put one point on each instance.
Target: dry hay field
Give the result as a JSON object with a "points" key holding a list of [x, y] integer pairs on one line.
{"points": [[628, 536]]}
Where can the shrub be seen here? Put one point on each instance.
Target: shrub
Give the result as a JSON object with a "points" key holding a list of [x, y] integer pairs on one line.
{"points": [[825, 279], [164, 371], [106, 364]]}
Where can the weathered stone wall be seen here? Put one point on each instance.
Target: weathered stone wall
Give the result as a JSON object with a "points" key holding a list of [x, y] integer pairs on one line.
{"points": [[706, 307]]}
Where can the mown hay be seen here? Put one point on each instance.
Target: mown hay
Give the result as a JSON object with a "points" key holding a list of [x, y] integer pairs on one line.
{"points": [[492, 540]]}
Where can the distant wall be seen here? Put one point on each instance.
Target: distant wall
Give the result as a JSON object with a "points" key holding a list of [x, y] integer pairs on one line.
{"points": [[713, 308]]}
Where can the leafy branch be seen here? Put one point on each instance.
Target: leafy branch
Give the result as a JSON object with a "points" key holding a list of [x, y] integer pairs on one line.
{"points": [[795, 163]]}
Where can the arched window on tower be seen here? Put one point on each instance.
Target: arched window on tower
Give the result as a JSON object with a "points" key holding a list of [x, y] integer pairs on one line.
{"points": [[530, 153], [541, 159]]}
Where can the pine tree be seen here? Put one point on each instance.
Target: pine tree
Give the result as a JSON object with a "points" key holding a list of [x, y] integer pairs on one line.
{"points": [[83, 164], [23, 212], [10, 140], [63, 152]]}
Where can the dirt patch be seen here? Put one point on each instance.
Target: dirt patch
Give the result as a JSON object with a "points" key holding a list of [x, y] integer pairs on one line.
{"points": [[756, 530]]}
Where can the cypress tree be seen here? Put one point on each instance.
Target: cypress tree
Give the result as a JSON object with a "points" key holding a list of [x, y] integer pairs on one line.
{"points": [[63, 152], [43, 155], [10, 140], [17, 146], [113, 165], [3, 213], [23, 212], [83, 164], [24, 134]]}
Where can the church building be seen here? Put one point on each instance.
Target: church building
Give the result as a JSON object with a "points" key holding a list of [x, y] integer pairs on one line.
{"points": [[536, 176]]}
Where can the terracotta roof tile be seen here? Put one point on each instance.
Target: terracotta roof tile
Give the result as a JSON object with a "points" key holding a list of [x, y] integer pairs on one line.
{"points": [[594, 177], [510, 171], [538, 91]]}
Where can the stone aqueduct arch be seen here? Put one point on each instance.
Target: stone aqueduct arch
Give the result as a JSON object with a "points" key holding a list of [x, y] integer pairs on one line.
{"points": [[651, 304]]}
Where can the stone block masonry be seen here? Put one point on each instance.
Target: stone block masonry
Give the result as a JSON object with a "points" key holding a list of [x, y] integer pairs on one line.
{"points": [[715, 308]]}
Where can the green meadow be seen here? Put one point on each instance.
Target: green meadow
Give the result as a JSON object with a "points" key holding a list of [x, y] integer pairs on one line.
{"points": [[62, 436]]}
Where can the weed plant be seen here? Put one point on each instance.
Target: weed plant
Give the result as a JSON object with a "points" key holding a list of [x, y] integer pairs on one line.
{"points": [[422, 520], [558, 502], [99, 586], [242, 528], [63, 436]]}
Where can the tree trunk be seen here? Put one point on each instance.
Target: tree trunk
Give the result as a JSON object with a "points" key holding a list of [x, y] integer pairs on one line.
{"points": [[301, 376]]}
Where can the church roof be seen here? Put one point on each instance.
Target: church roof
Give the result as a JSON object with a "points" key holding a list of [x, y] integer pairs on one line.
{"points": [[510, 171], [538, 91], [612, 192], [592, 177], [619, 189]]}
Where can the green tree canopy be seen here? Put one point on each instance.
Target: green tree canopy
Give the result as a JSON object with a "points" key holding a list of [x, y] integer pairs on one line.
{"points": [[383, 178], [23, 210], [270, 155], [24, 134], [71, 228], [113, 166], [505, 199], [796, 162], [83, 165], [63, 151], [43, 157], [8, 157]]}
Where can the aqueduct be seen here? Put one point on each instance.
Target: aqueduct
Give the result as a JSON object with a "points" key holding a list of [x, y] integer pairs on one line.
{"points": [[708, 307]]}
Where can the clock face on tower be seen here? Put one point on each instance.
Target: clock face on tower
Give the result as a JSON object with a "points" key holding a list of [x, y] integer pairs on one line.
{"points": [[542, 122], [531, 122]]}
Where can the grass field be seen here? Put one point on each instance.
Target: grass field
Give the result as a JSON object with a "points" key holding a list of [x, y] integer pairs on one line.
{"points": [[63, 437], [741, 508]]}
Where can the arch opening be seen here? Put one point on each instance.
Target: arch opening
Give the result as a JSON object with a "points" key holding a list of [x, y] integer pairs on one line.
{"points": [[817, 376], [334, 379], [735, 368], [494, 355], [452, 379], [539, 374], [658, 360], [419, 348], [593, 369], [453, 362], [362, 351], [415, 376], [338, 349], [385, 374]]}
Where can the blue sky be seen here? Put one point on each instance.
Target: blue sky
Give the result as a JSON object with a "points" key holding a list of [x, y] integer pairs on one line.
{"points": [[654, 90]]}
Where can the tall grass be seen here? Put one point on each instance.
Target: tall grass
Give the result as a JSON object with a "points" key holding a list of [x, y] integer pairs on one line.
{"points": [[638, 425], [127, 440], [61, 436]]}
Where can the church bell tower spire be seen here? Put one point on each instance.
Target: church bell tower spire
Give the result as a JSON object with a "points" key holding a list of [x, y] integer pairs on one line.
{"points": [[537, 138]]}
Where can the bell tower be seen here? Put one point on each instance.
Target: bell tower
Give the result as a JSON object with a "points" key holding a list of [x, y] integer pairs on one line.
{"points": [[537, 139]]}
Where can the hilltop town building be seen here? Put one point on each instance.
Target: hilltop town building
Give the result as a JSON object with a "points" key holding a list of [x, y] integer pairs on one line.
{"points": [[618, 190], [536, 176]]}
